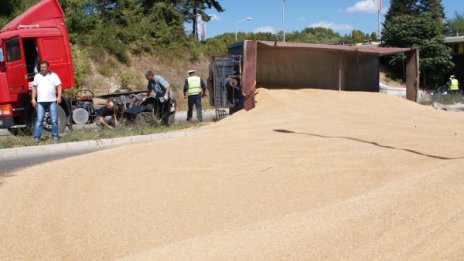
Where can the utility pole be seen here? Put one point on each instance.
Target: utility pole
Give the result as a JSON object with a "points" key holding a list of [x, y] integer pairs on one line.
{"points": [[283, 18]]}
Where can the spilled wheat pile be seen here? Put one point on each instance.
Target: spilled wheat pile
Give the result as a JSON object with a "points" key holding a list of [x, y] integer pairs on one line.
{"points": [[307, 175]]}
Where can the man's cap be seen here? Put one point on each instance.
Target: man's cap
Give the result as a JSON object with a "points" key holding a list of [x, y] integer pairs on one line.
{"points": [[190, 71], [452, 76]]}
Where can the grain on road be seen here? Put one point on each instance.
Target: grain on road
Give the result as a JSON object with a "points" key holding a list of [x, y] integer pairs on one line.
{"points": [[307, 175]]}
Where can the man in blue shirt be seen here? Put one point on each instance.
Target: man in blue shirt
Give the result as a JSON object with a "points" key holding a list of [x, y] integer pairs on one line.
{"points": [[162, 91], [158, 85]]}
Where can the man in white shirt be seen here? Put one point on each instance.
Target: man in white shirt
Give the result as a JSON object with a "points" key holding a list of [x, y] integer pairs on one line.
{"points": [[46, 95]]}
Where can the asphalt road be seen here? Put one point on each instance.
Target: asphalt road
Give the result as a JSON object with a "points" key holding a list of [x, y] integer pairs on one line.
{"points": [[7, 166]]}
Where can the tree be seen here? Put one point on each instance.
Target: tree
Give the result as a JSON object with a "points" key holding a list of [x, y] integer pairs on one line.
{"points": [[358, 36], [434, 8], [456, 24], [436, 60], [191, 8], [410, 31], [81, 16], [401, 7], [8, 7], [11, 8], [425, 33], [315, 35]]}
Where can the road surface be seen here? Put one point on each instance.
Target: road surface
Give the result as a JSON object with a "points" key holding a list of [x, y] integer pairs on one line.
{"points": [[23, 162], [10, 165]]}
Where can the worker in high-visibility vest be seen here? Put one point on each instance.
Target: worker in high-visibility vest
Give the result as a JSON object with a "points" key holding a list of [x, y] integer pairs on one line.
{"points": [[453, 85], [194, 90]]}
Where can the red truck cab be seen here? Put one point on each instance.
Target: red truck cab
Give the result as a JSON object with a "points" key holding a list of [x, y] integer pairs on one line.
{"points": [[38, 34]]}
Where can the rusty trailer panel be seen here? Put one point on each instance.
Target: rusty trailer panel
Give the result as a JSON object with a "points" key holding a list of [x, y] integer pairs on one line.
{"points": [[379, 51], [249, 74], [301, 65], [412, 75]]}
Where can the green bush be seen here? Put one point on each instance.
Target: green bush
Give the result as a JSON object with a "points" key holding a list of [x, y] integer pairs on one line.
{"points": [[126, 79], [81, 65]]}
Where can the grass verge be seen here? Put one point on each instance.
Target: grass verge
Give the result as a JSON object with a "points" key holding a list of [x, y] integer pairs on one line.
{"points": [[94, 134]]}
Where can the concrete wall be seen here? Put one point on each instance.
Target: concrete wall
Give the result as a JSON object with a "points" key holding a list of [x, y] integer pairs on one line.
{"points": [[280, 67]]}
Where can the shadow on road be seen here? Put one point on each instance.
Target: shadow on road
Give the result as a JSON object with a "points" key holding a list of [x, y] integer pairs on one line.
{"points": [[14, 164], [368, 142]]}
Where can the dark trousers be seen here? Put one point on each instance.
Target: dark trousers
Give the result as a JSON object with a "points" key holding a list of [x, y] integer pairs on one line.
{"points": [[194, 99]]}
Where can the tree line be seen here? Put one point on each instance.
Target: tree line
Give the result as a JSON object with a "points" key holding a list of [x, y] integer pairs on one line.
{"points": [[455, 25], [124, 27]]}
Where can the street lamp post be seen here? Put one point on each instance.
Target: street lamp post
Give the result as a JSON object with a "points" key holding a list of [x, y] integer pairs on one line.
{"points": [[283, 18], [379, 33], [236, 26]]}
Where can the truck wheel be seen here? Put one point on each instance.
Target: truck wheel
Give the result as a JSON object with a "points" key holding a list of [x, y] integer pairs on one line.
{"points": [[169, 119], [47, 125], [61, 121]]}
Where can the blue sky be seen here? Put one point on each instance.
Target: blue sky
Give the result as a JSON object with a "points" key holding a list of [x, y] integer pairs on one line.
{"points": [[340, 15]]}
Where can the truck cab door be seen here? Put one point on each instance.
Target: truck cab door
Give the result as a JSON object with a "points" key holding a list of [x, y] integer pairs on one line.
{"points": [[52, 49], [15, 70]]}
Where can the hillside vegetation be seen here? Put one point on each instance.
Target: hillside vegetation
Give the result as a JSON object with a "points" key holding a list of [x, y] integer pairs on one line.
{"points": [[115, 41]]}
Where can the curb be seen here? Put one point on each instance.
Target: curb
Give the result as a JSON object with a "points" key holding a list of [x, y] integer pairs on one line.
{"points": [[89, 145]]}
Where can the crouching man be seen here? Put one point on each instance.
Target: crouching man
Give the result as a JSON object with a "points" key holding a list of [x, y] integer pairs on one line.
{"points": [[107, 116]]}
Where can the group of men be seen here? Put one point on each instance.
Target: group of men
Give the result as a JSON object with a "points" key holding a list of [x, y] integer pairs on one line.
{"points": [[47, 91], [194, 89], [158, 87]]}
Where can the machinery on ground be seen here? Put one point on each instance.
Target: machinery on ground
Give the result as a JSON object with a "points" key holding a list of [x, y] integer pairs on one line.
{"points": [[138, 110], [83, 107]]}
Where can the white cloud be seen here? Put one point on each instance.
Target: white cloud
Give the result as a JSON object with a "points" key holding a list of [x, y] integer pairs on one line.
{"points": [[363, 6], [265, 29], [332, 25], [215, 17], [302, 19]]}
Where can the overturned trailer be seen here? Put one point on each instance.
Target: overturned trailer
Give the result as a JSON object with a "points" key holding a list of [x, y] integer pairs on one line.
{"points": [[297, 65]]}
